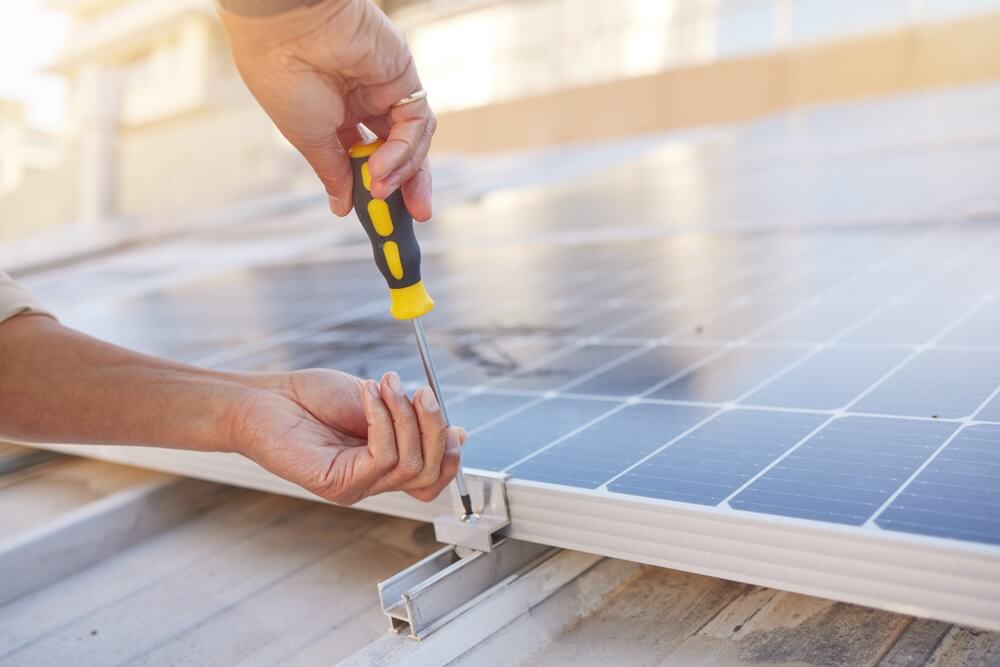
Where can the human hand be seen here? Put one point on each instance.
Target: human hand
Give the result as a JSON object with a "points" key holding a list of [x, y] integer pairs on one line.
{"points": [[345, 439], [321, 68]]}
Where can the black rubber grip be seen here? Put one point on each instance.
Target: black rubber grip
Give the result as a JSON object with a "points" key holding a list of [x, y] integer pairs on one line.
{"points": [[401, 233]]}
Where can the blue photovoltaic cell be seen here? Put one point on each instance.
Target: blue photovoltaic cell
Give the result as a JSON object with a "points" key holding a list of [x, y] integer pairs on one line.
{"points": [[816, 324], [937, 383], [980, 328], [472, 412], [714, 460], [828, 380], [642, 372], [507, 441], [558, 372], [957, 495], [907, 322], [734, 323], [596, 454], [658, 323], [486, 360], [991, 411], [845, 471], [729, 376]]}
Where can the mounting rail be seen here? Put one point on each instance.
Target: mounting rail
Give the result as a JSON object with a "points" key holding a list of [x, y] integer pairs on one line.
{"points": [[430, 593]]}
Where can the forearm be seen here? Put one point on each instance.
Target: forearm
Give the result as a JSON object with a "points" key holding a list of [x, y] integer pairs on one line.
{"points": [[255, 26], [58, 385]]}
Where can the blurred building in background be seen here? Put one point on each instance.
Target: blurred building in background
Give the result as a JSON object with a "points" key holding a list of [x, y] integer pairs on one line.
{"points": [[159, 124]]}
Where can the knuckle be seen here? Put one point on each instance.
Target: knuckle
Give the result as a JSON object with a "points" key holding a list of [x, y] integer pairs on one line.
{"points": [[387, 461], [411, 468], [428, 477]]}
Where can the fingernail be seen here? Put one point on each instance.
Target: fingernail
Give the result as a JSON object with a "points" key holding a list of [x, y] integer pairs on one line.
{"points": [[394, 384], [371, 389], [428, 400], [454, 438]]}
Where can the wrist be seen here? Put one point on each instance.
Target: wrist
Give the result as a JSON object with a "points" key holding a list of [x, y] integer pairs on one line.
{"points": [[234, 419]]}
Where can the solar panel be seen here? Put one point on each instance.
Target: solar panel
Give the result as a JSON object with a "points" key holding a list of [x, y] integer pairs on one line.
{"points": [[712, 399]]}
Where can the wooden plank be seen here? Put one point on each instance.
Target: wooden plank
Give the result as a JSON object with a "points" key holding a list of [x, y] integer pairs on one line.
{"points": [[917, 644], [967, 647], [97, 531], [764, 626], [645, 620]]}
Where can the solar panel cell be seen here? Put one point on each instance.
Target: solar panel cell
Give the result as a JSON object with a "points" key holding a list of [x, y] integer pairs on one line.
{"points": [[508, 440], [817, 323], [937, 383], [635, 375], [558, 371], [828, 380], [980, 328], [473, 411], [892, 449], [594, 455], [711, 462], [957, 495], [729, 376], [908, 322]]}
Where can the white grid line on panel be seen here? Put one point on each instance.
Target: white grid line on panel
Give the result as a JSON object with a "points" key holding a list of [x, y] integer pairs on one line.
{"points": [[867, 391], [874, 267]]}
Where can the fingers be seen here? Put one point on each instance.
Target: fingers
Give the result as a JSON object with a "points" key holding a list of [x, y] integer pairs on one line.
{"points": [[381, 437], [417, 194], [449, 466], [420, 438], [421, 441], [433, 437], [411, 128], [410, 465]]}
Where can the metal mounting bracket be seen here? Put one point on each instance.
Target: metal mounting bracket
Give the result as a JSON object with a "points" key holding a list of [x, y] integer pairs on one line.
{"points": [[489, 499], [428, 594]]}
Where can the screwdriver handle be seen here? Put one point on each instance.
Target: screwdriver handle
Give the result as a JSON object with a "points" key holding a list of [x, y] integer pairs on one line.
{"points": [[390, 228]]}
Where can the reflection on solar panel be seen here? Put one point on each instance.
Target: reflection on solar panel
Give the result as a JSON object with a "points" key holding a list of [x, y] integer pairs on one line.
{"points": [[762, 404]]}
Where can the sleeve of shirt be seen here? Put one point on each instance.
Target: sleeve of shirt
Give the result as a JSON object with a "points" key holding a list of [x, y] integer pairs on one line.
{"points": [[14, 300]]}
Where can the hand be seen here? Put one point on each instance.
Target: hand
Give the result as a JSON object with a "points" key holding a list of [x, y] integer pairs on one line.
{"points": [[345, 439], [321, 69]]}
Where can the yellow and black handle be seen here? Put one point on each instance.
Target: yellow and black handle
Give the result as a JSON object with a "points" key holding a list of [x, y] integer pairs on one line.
{"points": [[390, 228]]}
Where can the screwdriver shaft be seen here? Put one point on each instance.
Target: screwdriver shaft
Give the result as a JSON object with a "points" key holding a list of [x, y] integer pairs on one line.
{"points": [[425, 357]]}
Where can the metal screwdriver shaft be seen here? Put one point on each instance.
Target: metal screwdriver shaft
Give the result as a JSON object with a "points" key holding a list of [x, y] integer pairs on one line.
{"points": [[397, 255], [425, 357]]}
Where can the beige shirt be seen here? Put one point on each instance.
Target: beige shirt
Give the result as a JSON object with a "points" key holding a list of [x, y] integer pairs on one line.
{"points": [[14, 300]]}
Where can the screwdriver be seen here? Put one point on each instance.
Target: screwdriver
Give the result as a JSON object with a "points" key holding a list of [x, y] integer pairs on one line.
{"points": [[397, 255]]}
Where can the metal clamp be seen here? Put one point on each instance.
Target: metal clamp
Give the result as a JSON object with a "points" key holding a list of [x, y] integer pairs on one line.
{"points": [[489, 499]]}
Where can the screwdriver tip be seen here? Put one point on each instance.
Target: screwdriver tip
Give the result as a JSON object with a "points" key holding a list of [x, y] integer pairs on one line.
{"points": [[467, 505]]}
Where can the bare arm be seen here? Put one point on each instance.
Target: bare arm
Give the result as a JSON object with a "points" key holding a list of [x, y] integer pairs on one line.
{"points": [[336, 435]]}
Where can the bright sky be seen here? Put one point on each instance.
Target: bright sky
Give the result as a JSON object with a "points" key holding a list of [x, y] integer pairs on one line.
{"points": [[30, 35]]}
